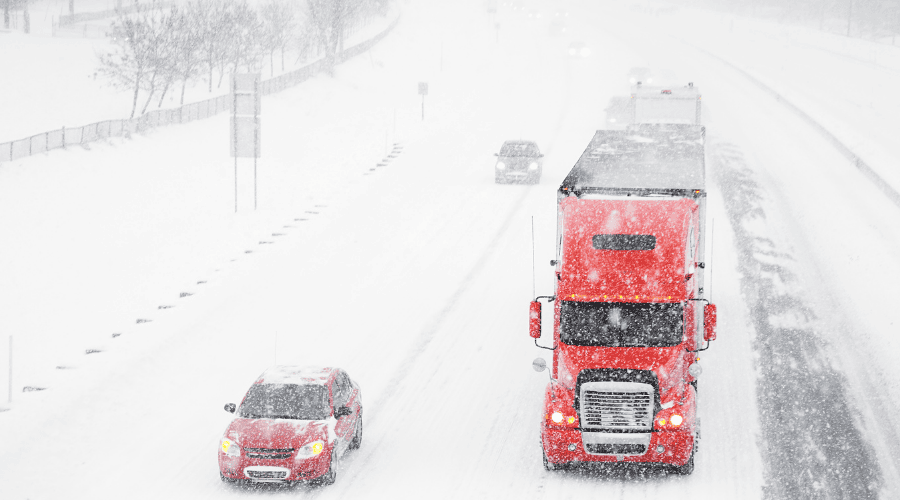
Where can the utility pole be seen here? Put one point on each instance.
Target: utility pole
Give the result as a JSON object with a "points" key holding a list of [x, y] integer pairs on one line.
{"points": [[6, 14]]}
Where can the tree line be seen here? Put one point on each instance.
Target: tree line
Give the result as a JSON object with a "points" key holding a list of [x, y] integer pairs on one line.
{"points": [[157, 49]]}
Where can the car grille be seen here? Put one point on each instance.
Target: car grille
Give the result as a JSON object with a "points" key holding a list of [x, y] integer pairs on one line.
{"points": [[269, 453], [266, 474], [615, 449], [617, 405]]}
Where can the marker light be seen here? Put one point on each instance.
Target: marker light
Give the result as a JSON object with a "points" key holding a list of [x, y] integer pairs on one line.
{"points": [[676, 420], [557, 417], [661, 422], [571, 420]]}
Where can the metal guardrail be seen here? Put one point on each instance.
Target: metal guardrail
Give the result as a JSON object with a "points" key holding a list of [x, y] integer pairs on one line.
{"points": [[61, 138]]}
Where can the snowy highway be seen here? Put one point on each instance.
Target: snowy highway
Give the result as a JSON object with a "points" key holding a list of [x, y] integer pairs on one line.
{"points": [[414, 277]]}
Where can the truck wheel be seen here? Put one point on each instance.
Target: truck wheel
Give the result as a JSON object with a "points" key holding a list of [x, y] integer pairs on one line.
{"points": [[686, 469], [548, 465]]}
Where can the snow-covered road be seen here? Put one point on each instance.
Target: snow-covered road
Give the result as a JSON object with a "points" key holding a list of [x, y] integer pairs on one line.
{"points": [[415, 278]]}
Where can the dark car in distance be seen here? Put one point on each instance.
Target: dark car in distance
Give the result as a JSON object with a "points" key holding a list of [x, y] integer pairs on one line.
{"points": [[518, 161]]}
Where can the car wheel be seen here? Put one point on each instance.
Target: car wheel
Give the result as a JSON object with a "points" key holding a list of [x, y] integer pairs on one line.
{"points": [[356, 441], [499, 180], [686, 469], [329, 477]]}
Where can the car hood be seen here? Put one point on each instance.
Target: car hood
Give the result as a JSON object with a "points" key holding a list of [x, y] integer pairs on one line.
{"points": [[279, 433]]}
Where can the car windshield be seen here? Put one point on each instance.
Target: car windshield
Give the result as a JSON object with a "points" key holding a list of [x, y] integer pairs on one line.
{"points": [[620, 324], [301, 402], [518, 149]]}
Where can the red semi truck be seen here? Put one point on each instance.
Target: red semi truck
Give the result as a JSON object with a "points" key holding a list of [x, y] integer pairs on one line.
{"points": [[629, 315]]}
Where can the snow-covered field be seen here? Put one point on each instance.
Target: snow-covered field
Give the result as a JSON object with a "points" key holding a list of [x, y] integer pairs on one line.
{"points": [[414, 276]]}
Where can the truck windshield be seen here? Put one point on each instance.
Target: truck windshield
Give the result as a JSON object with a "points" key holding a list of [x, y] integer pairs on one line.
{"points": [[301, 402], [620, 324]]}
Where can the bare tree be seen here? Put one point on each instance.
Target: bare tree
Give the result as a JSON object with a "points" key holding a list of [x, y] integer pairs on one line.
{"points": [[127, 64], [160, 52], [187, 57], [330, 19], [245, 44], [277, 18]]}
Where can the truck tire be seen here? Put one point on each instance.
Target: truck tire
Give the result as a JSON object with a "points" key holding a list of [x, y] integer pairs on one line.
{"points": [[548, 465], [686, 469]]}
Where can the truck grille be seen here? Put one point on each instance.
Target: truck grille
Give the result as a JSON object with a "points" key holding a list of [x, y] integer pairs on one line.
{"points": [[269, 453], [617, 405]]}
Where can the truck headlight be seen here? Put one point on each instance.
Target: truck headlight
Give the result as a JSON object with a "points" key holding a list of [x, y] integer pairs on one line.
{"points": [[500, 165], [557, 417], [230, 447], [533, 166], [310, 450], [676, 419]]}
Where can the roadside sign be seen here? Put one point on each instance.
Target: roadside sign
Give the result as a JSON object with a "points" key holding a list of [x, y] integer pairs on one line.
{"points": [[423, 88]]}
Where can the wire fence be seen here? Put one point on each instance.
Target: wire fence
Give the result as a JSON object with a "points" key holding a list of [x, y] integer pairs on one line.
{"points": [[64, 137]]}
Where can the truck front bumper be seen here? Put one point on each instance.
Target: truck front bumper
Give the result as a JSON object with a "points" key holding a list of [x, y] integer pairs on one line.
{"points": [[568, 445]]}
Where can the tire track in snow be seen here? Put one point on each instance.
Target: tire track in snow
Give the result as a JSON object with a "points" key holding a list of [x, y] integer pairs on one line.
{"points": [[812, 442], [430, 331]]}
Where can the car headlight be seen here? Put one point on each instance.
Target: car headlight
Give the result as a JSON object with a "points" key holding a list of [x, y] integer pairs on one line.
{"points": [[310, 450], [533, 166], [585, 52], [230, 447], [649, 80], [500, 165]]}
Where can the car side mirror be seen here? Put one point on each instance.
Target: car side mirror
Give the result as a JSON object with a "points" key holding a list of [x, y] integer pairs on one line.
{"points": [[534, 319], [709, 322], [496, 154], [230, 407], [541, 155], [342, 411]]}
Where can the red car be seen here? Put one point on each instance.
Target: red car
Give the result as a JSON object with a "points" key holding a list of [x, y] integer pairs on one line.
{"points": [[293, 425]]}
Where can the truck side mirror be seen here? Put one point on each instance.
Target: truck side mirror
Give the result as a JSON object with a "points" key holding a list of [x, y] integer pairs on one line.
{"points": [[534, 319], [230, 407], [709, 322]]}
